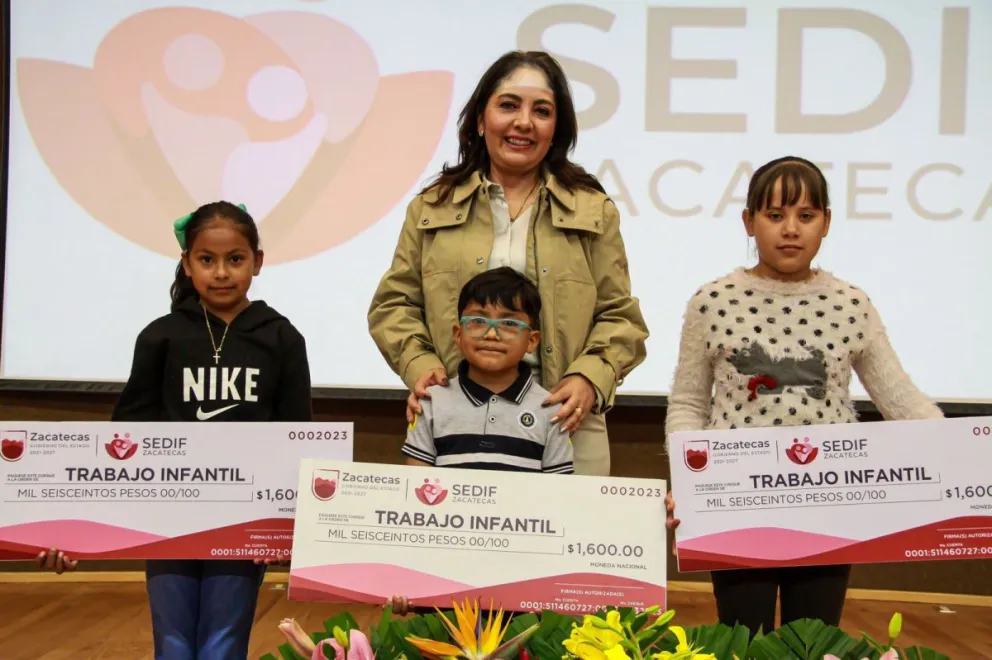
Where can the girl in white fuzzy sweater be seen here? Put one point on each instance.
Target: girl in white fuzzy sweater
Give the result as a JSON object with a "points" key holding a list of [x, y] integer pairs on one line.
{"points": [[776, 345]]}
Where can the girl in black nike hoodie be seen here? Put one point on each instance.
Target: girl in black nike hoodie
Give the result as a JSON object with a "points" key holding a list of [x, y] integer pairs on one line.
{"points": [[205, 609]]}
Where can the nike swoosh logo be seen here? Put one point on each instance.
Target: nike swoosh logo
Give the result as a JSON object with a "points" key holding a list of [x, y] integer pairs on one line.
{"points": [[203, 416]]}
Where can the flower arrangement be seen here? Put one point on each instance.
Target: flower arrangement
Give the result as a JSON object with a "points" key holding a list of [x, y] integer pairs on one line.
{"points": [[614, 634]]}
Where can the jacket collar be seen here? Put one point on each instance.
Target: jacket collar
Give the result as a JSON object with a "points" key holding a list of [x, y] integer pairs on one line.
{"points": [[479, 395], [564, 196]]}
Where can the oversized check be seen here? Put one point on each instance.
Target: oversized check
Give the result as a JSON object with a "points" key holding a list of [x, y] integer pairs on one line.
{"points": [[224, 490], [863, 493], [524, 541]]}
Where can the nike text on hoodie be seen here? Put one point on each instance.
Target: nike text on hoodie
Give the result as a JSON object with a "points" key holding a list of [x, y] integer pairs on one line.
{"points": [[262, 373]]}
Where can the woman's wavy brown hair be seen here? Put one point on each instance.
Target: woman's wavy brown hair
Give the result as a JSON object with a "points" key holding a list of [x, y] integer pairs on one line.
{"points": [[472, 153]]}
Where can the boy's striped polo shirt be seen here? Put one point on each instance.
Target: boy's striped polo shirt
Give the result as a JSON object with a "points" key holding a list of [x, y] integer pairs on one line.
{"points": [[464, 425]]}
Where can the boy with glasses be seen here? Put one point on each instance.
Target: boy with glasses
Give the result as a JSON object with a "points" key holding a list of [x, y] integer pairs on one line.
{"points": [[491, 416]]}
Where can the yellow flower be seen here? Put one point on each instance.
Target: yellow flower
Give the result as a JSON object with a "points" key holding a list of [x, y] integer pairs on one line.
{"points": [[895, 626], [471, 640], [683, 651], [616, 653], [596, 639], [341, 637]]}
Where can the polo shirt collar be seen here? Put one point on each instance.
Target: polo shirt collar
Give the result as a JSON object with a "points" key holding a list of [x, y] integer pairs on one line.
{"points": [[479, 395]]}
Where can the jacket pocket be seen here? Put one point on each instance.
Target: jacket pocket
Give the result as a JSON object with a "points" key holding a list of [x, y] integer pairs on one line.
{"points": [[574, 314], [440, 305]]}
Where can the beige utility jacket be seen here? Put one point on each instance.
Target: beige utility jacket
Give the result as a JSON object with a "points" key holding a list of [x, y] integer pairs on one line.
{"points": [[590, 323]]}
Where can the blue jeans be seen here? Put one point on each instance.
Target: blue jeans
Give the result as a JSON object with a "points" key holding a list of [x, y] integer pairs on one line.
{"points": [[202, 610]]}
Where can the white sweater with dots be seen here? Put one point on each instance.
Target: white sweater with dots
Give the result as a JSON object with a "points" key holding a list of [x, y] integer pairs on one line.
{"points": [[760, 352]]}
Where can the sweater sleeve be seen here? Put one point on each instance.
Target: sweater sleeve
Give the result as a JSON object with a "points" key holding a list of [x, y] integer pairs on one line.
{"points": [[889, 386], [141, 399], [294, 400], [396, 315], [689, 403]]}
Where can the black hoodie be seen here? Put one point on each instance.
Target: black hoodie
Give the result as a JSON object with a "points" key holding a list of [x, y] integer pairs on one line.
{"points": [[262, 375]]}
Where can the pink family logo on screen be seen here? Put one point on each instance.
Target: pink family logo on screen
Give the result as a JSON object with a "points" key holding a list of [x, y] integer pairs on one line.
{"points": [[324, 484], [120, 448], [801, 453], [696, 454], [430, 493], [284, 111], [13, 444]]}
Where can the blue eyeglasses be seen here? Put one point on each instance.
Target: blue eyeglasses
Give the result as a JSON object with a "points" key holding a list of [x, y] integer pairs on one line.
{"points": [[477, 327]]}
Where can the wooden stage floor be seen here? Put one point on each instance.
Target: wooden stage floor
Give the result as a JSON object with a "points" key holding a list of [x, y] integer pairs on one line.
{"points": [[54, 620]]}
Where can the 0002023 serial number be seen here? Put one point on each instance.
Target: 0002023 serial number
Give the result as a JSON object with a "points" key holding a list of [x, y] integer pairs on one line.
{"points": [[317, 435], [631, 491]]}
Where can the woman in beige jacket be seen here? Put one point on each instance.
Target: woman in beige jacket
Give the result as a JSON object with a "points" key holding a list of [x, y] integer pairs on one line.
{"points": [[514, 199]]}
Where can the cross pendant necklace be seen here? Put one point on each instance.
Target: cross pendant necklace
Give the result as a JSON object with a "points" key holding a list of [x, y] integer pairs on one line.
{"points": [[210, 330]]}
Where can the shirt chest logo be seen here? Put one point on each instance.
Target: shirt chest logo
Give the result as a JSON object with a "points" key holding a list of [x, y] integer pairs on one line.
{"points": [[527, 420], [219, 385]]}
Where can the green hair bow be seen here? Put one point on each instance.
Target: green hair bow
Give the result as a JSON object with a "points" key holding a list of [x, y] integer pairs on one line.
{"points": [[179, 226]]}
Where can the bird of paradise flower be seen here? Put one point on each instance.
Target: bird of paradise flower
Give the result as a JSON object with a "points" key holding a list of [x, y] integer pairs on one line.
{"points": [[472, 640]]}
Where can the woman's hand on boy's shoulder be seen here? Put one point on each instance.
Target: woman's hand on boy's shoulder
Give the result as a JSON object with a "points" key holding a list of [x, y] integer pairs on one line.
{"points": [[55, 560], [424, 381], [577, 396]]}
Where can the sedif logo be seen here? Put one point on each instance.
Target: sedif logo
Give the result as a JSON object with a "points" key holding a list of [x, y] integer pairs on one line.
{"points": [[431, 493], [944, 112], [663, 68], [284, 112], [801, 453], [121, 448]]}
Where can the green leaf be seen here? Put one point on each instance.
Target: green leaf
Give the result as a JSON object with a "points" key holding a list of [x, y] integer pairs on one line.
{"points": [[805, 639], [268, 656], [288, 653], [875, 645], [520, 623], [638, 622], [768, 648], [435, 628], [419, 627], [345, 621], [923, 653], [720, 640], [510, 647], [862, 649]]}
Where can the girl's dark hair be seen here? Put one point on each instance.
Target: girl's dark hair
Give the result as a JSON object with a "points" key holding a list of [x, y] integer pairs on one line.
{"points": [[798, 176], [183, 287], [472, 153]]}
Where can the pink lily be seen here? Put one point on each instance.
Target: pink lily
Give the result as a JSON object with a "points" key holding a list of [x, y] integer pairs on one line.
{"points": [[357, 643], [358, 646], [891, 654], [298, 639]]}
